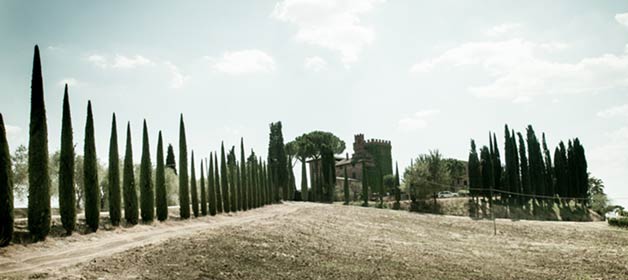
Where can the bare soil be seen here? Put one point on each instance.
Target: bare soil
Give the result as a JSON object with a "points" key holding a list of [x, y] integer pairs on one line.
{"points": [[322, 241]]}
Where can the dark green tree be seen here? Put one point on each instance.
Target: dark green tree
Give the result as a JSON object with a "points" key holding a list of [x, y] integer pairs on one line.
{"points": [[345, 186], [147, 195], [365, 186], [6, 189], [475, 175], [560, 170], [278, 162], [233, 185], [161, 195], [525, 170], [203, 193], [131, 214], [193, 189], [397, 192], [211, 186], [244, 183], [219, 199], [535, 158], [67, 193], [184, 194], [170, 161], [516, 166], [115, 199], [90, 174], [497, 164], [487, 172], [38, 176], [224, 181], [548, 172]]}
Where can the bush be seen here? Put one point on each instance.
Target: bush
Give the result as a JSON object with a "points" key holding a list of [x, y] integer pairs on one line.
{"points": [[619, 222]]}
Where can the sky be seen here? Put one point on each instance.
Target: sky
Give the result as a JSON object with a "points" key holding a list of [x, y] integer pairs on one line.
{"points": [[423, 74]]}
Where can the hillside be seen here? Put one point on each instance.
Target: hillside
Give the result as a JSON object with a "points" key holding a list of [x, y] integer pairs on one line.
{"points": [[312, 241]]}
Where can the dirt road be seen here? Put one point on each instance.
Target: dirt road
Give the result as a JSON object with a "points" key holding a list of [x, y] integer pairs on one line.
{"points": [[322, 241]]}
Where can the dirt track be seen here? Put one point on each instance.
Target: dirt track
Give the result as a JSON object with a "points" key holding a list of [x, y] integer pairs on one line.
{"points": [[318, 241]]}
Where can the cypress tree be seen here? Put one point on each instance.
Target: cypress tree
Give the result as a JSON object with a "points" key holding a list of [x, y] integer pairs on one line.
{"points": [[238, 183], [304, 191], [536, 163], [548, 172], [231, 181], [161, 196], [147, 196], [224, 183], [560, 170], [525, 169], [219, 199], [397, 204], [582, 175], [346, 186], [113, 176], [170, 161], [244, 183], [365, 186], [184, 195], [487, 170], [38, 176], [497, 165], [90, 174], [211, 186], [475, 176], [572, 167], [67, 194], [193, 189], [516, 168], [203, 193], [128, 182], [6, 189], [277, 162]]}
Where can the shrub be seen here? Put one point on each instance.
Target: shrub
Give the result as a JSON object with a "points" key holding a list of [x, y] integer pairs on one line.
{"points": [[619, 222]]}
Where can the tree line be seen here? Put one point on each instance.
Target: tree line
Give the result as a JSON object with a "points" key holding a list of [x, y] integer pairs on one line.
{"points": [[226, 185], [529, 173]]}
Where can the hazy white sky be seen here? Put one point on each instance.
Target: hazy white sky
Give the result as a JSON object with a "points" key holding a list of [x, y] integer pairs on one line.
{"points": [[423, 74]]}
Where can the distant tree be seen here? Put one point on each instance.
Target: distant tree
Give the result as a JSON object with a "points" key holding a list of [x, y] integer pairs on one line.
{"points": [[193, 188], [113, 176], [246, 196], [6, 189], [365, 186], [170, 161], [253, 179], [278, 161], [548, 172], [131, 214], [38, 176], [90, 171], [224, 181], [427, 175], [578, 172], [560, 170], [219, 196], [397, 189], [211, 186], [147, 195], [497, 164], [184, 194], [525, 170], [389, 183], [67, 194], [475, 175], [516, 166], [161, 196], [346, 186], [487, 171], [203, 193], [231, 180], [537, 168]]}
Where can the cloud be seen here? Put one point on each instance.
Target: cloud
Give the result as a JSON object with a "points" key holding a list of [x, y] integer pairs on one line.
{"points": [[502, 28], [418, 121], [622, 19], [119, 61], [71, 82], [518, 69], [331, 24], [243, 62], [617, 111], [178, 79], [315, 64]]}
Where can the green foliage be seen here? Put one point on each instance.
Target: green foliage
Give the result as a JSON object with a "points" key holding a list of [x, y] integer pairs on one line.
{"points": [[497, 164], [244, 183], [561, 170], [345, 186], [161, 197], [365, 187], [211, 186], [203, 192], [170, 161], [67, 194], [535, 159], [277, 162], [147, 195], [131, 214], [224, 183], [184, 194], [90, 174], [525, 170], [475, 175], [427, 175], [6, 189], [193, 188], [219, 196], [621, 222], [113, 176], [233, 189], [548, 172], [38, 177], [304, 191]]}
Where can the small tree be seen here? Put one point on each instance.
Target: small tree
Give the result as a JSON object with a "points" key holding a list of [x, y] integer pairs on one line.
{"points": [[219, 206], [161, 196], [203, 194], [224, 183], [67, 194], [193, 188], [6, 189], [211, 186], [390, 183], [90, 173], [170, 161], [128, 182]]}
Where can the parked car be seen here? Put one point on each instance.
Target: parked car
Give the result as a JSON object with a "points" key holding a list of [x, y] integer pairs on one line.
{"points": [[446, 194]]}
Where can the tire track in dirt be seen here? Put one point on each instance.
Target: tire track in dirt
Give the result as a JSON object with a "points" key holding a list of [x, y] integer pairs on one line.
{"points": [[41, 257]]}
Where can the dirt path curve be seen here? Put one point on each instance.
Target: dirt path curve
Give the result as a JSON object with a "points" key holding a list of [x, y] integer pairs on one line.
{"points": [[56, 253]]}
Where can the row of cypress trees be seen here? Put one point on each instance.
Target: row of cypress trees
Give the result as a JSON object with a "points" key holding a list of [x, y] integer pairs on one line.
{"points": [[238, 186], [529, 173]]}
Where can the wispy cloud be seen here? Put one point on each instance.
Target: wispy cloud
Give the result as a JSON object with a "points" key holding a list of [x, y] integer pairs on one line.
{"points": [[243, 62], [315, 64], [617, 111], [334, 25], [502, 28], [71, 82], [417, 121], [119, 61], [178, 78], [622, 19]]}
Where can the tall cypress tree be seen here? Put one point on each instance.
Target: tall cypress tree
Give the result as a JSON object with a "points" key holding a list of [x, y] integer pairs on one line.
{"points": [[346, 186], [219, 199], [128, 182], [203, 193], [90, 174], [525, 169], [560, 170], [516, 172], [67, 193], [238, 183], [304, 190], [147, 196], [184, 195], [475, 176], [487, 170], [38, 176], [113, 176], [170, 161], [244, 180], [161, 196], [581, 174], [193, 189], [231, 181], [548, 172], [224, 183], [6, 189], [497, 165], [211, 186], [278, 161]]}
